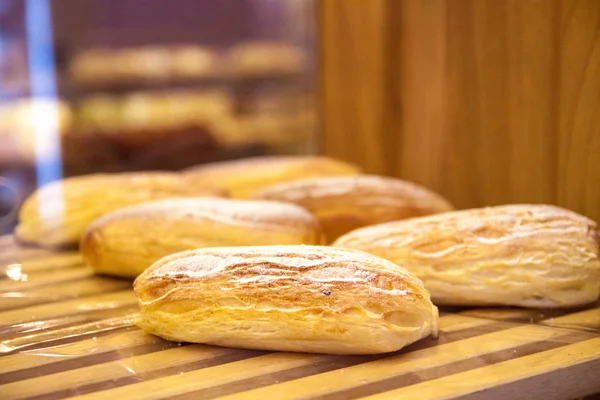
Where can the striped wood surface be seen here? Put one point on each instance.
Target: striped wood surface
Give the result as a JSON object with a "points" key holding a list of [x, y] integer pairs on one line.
{"points": [[65, 333]]}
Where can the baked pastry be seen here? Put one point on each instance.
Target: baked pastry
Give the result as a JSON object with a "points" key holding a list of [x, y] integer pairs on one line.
{"points": [[519, 255], [93, 67], [57, 214], [127, 241], [285, 298], [256, 58], [343, 204], [245, 176], [190, 61]]}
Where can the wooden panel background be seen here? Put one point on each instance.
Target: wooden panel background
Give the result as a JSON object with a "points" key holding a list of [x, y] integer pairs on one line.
{"points": [[485, 101]]}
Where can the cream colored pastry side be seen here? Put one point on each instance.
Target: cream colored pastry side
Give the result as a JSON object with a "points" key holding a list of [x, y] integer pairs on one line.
{"points": [[127, 241], [57, 214], [346, 203], [520, 255], [285, 298], [246, 176]]}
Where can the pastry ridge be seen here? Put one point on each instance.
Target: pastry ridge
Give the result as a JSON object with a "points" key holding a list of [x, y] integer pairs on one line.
{"points": [[523, 255], [245, 176], [57, 214], [346, 203], [289, 298], [127, 241]]}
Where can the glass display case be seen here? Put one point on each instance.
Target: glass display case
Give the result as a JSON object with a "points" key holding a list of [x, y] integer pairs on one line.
{"points": [[103, 86], [442, 244]]}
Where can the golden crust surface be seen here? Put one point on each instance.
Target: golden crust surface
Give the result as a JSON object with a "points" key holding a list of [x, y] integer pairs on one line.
{"points": [[343, 204], [246, 176], [57, 214], [287, 298], [521, 255], [127, 241]]}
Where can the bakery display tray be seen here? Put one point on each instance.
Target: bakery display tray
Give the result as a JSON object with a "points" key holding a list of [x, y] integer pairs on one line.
{"points": [[65, 332]]}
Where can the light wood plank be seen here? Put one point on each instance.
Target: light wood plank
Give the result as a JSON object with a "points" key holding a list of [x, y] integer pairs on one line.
{"points": [[53, 261], [23, 281], [61, 291], [579, 129], [418, 86], [21, 254], [488, 377], [65, 308], [487, 102], [588, 319], [53, 354], [413, 362], [505, 313], [80, 325], [128, 367], [49, 355], [354, 70], [209, 377]]}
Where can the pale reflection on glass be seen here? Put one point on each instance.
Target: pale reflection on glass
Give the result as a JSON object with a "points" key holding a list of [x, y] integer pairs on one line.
{"points": [[44, 113]]}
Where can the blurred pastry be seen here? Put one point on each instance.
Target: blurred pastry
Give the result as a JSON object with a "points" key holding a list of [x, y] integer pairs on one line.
{"points": [[127, 241], [99, 113], [246, 176], [258, 58], [285, 298], [57, 214], [153, 63], [346, 203], [518, 255], [141, 110], [194, 62], [93, 67]]}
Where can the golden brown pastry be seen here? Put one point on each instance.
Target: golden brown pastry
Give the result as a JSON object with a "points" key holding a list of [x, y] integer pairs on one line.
{"points": [[190, 61], [93, 66], [345, 203], [520, 255], [57, 214], [245, 176], [286, 298], [256, 58], [127, 241]]}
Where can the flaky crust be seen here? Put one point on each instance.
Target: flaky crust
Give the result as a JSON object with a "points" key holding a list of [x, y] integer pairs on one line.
{"points": [[57, 214], [287, 298], [245, 176], [346, 203], [127, 241], [522, 255]]}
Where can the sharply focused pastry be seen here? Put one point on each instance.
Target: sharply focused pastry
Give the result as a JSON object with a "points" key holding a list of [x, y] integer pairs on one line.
{"points": [[246, 176], [519, 255], [57, 214], [127, 241], [285, 298], [343, 204]]}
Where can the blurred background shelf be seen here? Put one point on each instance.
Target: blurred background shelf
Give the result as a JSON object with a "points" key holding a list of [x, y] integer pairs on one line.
{"points": [[147, 84]]}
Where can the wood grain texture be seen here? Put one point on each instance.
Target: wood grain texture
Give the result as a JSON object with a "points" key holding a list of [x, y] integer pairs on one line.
{"points": [[358, 109], [488, 102], [578, 180], [421, 38], [88, 347]]}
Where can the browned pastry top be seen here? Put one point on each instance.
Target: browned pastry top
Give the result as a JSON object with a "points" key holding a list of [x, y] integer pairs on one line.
{"points": [[308, 270]]}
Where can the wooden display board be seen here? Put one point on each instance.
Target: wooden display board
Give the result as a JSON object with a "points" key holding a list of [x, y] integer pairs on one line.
{"points": [[486, 101], [65, 332]]}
